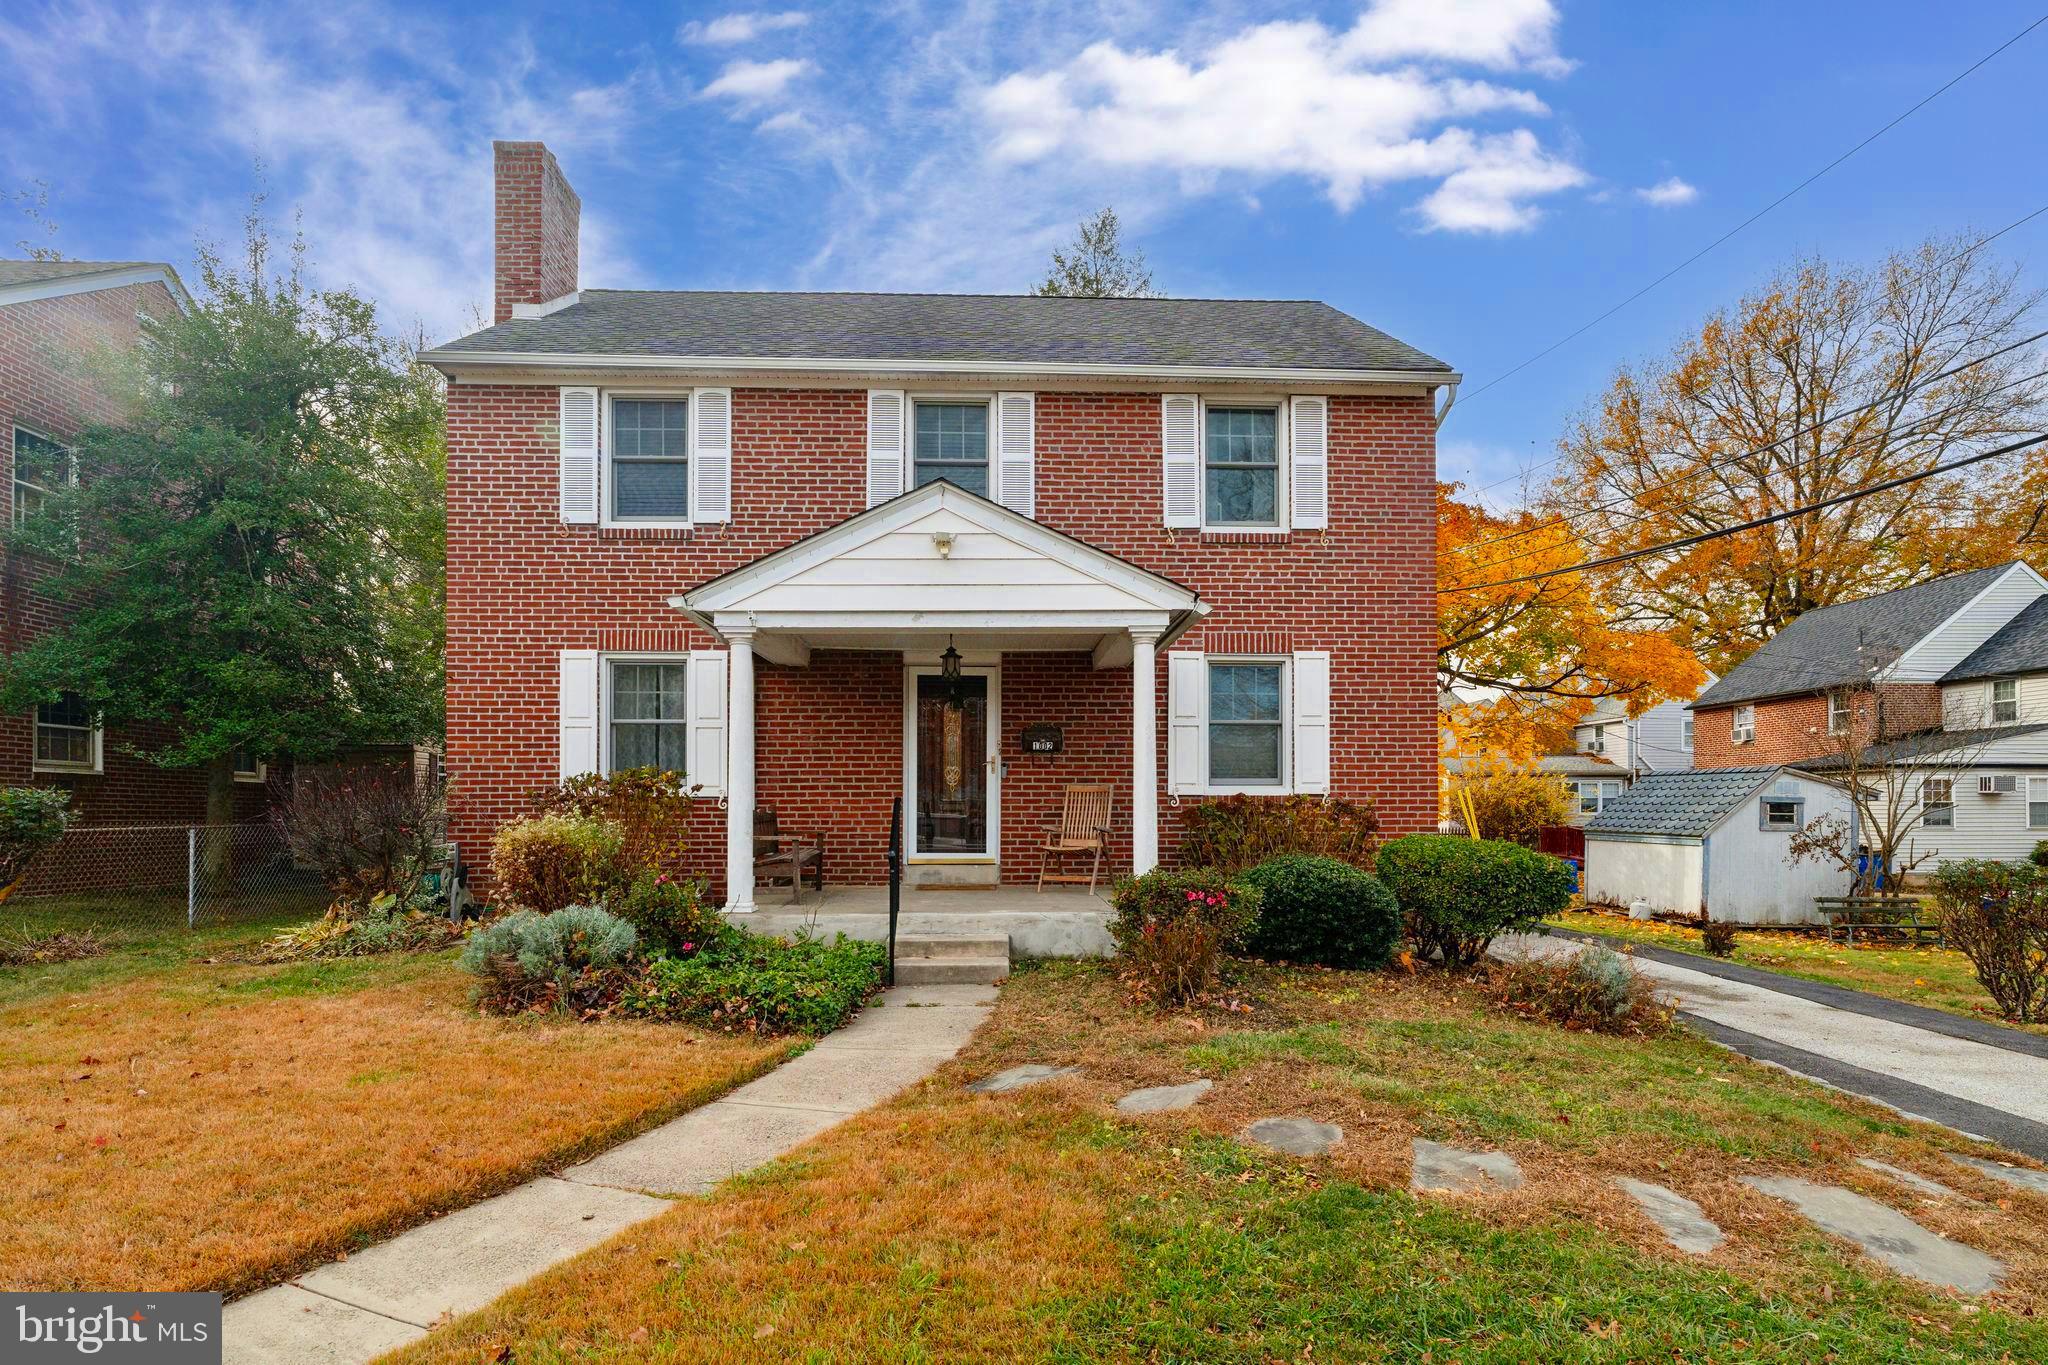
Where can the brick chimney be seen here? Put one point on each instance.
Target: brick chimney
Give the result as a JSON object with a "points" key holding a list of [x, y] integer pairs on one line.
{"points": [[537, 218]]}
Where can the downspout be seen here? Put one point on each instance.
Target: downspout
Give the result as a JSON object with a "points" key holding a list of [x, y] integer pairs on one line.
{"points": [[1450, 401]]}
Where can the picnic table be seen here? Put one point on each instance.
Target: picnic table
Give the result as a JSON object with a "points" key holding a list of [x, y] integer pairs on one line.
{"points": [[1885, 915]]}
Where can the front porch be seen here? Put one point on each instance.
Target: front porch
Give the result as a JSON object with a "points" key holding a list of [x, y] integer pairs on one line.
{"points": [[1055, 923]]}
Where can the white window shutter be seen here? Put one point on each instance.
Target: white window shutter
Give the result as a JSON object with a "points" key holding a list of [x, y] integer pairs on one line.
{"points": [[579, 707], [711, 455], [1311, 688], [1309, 470], [888, 415], [579, 456], [1187, 707], [1180, 429], [1016, 419], [707, 694]]}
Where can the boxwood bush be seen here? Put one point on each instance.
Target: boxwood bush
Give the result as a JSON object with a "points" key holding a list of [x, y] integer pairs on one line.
{"points": [[1324, 911], [750, 983], [1458, 893]]}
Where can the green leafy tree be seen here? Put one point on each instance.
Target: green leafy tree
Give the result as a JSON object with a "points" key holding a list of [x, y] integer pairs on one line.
{"points": [[252, 551], [1096, 264]]}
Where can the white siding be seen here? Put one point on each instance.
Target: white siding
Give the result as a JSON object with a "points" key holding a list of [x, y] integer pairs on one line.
{"points": [[1750, 879], [1667, 875], [1966, 706], [1988, 826], [1951, 642], [1660, 739]]}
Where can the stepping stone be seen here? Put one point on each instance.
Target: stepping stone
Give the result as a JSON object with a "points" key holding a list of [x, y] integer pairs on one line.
{"points": [[1438, 1167], [2020, 1177], [1161, 1098], [1296, 1137], [1885, 1234], [1017, 1077], [1682, 1222], [1910, 1179]]}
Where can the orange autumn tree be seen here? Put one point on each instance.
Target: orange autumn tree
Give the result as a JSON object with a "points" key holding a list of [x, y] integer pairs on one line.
{"points": [[1539, 654]]}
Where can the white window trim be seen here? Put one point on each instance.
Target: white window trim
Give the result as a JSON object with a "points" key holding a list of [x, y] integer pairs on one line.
{"points": [[1685, 732], [2014, 683], [1283, 456], [15, 481], [39, 765], [1840, 715], [2028, 814], [990, 464], [1947, 803], [1285, 786], [1741, 730], [605, 481], [605, 664]]}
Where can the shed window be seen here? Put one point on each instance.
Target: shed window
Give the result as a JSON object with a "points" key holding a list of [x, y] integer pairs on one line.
{"points": [[2005, 701], [1781, 812]]}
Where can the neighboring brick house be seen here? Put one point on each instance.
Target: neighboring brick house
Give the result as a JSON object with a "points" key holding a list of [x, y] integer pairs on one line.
{"points": [[54, 315], [737, 533], [1873, 668]]}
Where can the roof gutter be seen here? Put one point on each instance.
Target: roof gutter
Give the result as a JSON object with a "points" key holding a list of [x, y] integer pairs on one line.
{"points": [[90, 282]]}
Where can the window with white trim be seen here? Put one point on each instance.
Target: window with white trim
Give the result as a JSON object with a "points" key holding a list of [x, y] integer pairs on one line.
{"points": [[949, 440], [1241, 483], [647, 460], [2037, 803], [646, 714], [2005, 701], [1938, 803], [41, 466], [1248, 744], [1742, 728], [67, 736], [1838, 713], [1685, 732], [1595, 795]]}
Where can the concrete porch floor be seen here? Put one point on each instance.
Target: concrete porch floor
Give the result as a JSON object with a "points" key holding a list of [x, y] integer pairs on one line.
{"points": [[1060, 922]]}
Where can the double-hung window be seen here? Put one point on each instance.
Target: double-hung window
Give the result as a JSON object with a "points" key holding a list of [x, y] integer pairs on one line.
{"points": [[2037, 803], [949, 440], [1247, 724], [1240, 466], [41, 466], [1838, 713], [646, 711], [1938, 803], [2005, 701], [1685, 732], [650, 460], [1742, 729], [67, 736]]}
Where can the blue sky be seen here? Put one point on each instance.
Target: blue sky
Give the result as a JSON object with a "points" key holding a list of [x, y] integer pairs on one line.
{"points": [[1477, 177]]}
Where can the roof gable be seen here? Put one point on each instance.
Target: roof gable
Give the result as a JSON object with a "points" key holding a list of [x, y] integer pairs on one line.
{"points": [[2019, 646], [25, 281]]}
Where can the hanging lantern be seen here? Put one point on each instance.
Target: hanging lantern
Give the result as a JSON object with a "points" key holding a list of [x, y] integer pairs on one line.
{"points": [[952, 686]]}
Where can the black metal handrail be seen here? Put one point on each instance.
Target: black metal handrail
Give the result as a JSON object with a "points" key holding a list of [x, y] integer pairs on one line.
{"points": [[895, 878]]}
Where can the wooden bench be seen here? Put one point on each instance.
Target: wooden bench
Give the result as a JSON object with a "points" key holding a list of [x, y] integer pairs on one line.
{"points": [[787, 857], [1877, 914]]}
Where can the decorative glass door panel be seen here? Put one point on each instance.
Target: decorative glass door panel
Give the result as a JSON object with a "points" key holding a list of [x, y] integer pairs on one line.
{"points": [[951, 776]]}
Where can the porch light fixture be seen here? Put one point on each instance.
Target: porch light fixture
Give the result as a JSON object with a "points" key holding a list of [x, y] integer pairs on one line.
{"points": [[952, 687], [942, 541]]}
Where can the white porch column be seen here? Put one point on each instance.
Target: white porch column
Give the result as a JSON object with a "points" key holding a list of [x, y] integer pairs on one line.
{"points": [[1144, 754], [739, 774]]}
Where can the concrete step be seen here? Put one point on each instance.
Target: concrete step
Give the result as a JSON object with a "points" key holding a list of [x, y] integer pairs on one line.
{"points": [[937, 876], [910, 946], [946, 971]]}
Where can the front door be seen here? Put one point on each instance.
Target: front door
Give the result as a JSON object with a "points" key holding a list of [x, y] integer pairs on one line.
{"points": [[952, 770]]}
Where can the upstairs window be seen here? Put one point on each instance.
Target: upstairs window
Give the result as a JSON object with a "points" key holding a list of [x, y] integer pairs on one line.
{"points": [[1838, 713], [2005, 702], [41, 466], [647, 708], [1742, 729], [950, 442], [1685, 732], [1241, 467], [67, 737], [650, 460], [1938, 803], [1247, 725]]}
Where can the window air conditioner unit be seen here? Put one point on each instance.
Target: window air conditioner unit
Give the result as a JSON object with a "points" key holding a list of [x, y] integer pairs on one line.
{"points": [[1995, 784]]}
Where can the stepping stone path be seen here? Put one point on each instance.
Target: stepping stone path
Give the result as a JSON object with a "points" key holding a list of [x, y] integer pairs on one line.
{"points": [[1910, 1179], [1682, 1222], [1438, 1167], [2020, 1177], [1161, 1098], [1296, 1137], [1017, 1077], [1885, 1234]]}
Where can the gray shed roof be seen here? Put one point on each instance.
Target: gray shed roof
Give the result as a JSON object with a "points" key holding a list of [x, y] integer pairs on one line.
{"points": [[1839, 646], [1022, 328], [2020, 646], [1687, 803]]}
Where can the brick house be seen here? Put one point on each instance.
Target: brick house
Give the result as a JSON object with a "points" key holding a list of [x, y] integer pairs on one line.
{"points": [[53, 316], [820, 551]]}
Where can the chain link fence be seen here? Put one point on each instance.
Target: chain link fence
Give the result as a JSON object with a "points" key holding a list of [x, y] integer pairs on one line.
{"points": [[138, 879]]}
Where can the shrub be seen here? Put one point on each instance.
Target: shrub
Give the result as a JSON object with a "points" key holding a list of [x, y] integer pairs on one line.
{"points": [[546, 862], [651, 807], [31, 820], [1593, 989], [1320, 910], [1458, 893], [367, 833], [750, 983], [669, 913], [1514, 803], [387, 925], [2039, 857], [1172, 928], [1997, 915], [570, 960], [1717, 936], [1236, 832]]}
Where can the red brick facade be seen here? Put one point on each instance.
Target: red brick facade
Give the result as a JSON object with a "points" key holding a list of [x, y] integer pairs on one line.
{"points": [[46, 387], [522, 587], [1789, 729], [538, 217]]}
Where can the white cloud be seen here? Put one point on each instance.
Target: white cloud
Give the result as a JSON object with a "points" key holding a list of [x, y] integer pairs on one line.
{"points": [[752, 82], [1503, 35], [1669, 193], [743, 27]]}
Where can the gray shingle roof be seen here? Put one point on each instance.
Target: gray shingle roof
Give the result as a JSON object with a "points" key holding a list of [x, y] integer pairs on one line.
{"points": [[1947, 746], [27, 272], [1026, 328], [1687, 803], [2020, 646], [1579, 765], [1838, 646]]}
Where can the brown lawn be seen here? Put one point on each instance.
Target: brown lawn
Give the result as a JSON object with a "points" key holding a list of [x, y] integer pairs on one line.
{"points": [[219, 1127]]}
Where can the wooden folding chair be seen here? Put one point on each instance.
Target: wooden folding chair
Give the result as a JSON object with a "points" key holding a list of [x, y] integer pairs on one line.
{"points": [[1082, 827]]}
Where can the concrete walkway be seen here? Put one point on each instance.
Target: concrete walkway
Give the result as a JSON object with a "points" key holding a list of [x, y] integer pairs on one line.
{"points": [[1983, 1090], [354, 1310]]}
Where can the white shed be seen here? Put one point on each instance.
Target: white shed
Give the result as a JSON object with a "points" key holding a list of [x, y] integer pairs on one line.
{"points": [[1715, 837]]}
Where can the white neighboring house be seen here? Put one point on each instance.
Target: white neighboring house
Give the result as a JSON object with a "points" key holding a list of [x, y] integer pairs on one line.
{"points": [[1716, 838], [1657, 741]]}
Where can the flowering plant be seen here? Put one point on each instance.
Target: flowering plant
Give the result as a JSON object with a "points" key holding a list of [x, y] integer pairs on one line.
{"points": [[1172, 928]]}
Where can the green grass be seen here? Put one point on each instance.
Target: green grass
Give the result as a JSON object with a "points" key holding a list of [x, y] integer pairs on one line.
{"points": [[133, 950]]}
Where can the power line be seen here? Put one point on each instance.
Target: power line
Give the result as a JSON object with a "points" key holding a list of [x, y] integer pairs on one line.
{"points": [[1686, 542], [1767, 208]]}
